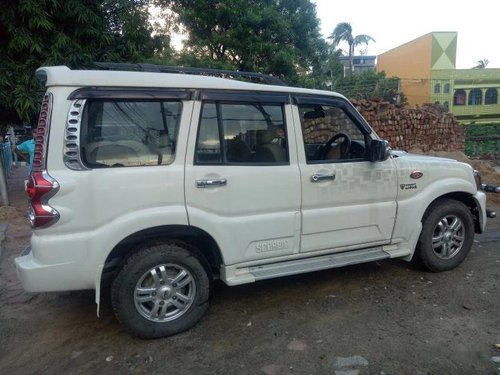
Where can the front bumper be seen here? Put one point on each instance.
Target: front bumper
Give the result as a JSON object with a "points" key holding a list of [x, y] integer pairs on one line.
{"points": [[490, 188], [480, 198]]}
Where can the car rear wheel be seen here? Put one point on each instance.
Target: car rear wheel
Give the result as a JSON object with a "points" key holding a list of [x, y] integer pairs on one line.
{"points": [[161, 290]]}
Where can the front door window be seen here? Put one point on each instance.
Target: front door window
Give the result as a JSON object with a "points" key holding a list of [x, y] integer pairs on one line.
{"points": [[330, 135]]}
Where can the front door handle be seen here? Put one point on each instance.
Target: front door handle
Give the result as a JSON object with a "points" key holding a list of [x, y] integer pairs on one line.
{"points": [[211, 182], [322, 177]]}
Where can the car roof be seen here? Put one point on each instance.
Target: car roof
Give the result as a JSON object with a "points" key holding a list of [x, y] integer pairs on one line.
{"points": [[63, 76]]}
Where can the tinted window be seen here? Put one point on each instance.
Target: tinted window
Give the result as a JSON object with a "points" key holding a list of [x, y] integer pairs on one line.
{"points": [[459, 97], [129, 133], [475, 97], [208, 146], [330, 134], [247, 133], [491, 96]]}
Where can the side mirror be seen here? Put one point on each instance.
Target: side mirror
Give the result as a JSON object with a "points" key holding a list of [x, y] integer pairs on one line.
{"points": [[318, 112], [379, 150]]}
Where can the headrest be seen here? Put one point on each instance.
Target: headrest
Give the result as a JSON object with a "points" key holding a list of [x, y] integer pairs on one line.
{"points": [[265, 136]]}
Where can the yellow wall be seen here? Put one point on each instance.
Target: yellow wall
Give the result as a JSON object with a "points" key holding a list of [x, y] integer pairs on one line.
{"points": [[411, 62]]}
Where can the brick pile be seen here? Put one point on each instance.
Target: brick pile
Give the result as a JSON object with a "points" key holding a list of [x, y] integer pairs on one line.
{"points": [[428, 128], [320, 130]]}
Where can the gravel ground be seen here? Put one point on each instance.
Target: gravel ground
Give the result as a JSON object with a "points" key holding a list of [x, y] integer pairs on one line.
{"points": [[376, 318]]}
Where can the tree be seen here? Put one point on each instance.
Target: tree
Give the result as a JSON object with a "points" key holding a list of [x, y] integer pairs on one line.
{"points": [[343, 33], [32, 37], [69, 32], [481, 64], [127, 22], [275, 37]]}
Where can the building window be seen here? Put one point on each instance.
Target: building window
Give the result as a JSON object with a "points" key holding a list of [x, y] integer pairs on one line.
{"points": [[459, 97], [491, 96], [437, 88], [475, 97], [446, 89]]}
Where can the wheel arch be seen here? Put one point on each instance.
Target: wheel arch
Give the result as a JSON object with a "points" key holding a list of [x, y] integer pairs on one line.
{"points": [[465, 198], [205, 246], [452, 243]]}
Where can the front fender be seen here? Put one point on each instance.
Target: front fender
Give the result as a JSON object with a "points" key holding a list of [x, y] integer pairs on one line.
{"points": [[412, 208]]}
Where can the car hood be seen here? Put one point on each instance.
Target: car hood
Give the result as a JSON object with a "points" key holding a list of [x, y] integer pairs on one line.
{"points": [[404, 154]]}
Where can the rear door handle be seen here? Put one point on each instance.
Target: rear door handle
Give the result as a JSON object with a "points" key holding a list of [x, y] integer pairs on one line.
{"points": [[211, 182], [317, 177]]}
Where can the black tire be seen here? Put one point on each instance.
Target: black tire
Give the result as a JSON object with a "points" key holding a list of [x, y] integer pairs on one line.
{"points": [[446, 237], [161, 290]]}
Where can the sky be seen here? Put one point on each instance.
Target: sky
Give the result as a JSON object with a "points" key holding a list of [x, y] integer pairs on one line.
{"points": [[393, 23]]}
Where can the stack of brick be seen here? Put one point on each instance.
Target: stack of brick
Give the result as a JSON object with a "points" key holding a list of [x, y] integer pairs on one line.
{"points": [[320, 130], [428, 128]]}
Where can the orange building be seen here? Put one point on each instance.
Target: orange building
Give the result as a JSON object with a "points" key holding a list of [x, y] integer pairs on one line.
{"points": [[414, 62], [426, 69]]}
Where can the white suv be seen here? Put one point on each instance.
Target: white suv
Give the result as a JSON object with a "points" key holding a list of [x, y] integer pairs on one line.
{"points": [[158, 183]]}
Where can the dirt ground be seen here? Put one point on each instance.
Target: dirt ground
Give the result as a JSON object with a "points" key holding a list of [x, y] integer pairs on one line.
{"points": [[376, 318]]}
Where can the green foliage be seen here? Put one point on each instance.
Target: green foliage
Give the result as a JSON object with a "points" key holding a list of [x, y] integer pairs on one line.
{"points": [[127, 24], [369, 85], [482, 139], [65, 32], [274, 37], [482, 130], [279, 37]]}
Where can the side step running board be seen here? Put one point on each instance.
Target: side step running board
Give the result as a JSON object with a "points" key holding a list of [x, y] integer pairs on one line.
{"points": [[293, 267]]}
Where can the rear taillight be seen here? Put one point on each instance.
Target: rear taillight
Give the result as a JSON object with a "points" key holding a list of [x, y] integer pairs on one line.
{"points": [[40, 186]]}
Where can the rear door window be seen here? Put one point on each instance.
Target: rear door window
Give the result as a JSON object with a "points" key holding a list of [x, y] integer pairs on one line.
{"points": [[242, 133]]}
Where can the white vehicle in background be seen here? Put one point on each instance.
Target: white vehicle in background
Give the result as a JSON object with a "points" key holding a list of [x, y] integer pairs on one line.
{"points": [[158, 183]]}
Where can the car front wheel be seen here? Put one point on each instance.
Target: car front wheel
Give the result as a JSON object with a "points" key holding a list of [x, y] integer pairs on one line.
{"points": [[447, 235]]}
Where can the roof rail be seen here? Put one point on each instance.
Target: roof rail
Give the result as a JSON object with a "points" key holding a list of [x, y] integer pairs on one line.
{"points": [[251, 76]]}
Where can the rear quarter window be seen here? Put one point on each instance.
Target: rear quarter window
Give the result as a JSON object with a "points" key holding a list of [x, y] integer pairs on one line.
{"points": [[129, 133]]}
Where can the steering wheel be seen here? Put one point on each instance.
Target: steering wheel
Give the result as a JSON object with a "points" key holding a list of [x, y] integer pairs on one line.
{"points": [[345, 146]]}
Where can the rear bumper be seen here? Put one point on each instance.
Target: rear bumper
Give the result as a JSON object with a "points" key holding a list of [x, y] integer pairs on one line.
{"points": [[38, 277]]}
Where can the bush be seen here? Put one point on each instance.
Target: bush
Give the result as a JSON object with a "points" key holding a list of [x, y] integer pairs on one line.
{"points": [[482, 140]]}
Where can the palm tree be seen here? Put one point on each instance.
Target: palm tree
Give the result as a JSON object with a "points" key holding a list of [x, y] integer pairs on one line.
{"points": [[343, 32], [481, 64]]}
